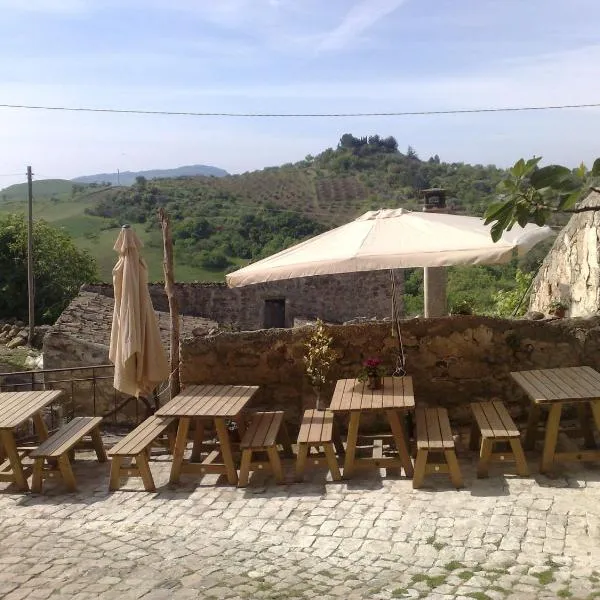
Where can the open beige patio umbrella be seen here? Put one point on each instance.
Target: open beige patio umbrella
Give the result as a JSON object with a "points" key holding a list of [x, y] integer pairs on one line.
{"points": [[393, 239], [135, 346]]}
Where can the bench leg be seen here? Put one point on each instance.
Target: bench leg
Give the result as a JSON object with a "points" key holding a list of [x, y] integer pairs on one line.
{"points": [[115, 473], [284, 440], [98, 445], [453, 468], [420, 464], [521, 463], [332, 461], [475, 437], [141, 462], [10, 447], [64, 464], [301, 461], [198, 439], [245, 467], [38, 475], [275, 463], [485, 453]]}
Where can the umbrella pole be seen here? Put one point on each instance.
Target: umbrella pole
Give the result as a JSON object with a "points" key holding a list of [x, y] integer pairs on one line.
{"points": [[174, 383]]}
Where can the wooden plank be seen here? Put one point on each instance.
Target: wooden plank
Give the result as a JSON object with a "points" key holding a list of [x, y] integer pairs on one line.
{"points": [[422, 435], [67, 437], [494, 420], [305, 426], [404, 396], [551, 437], [271, 435], [338, 394], [17, 407], [136, 440], [559, 381], [316, 427], [531, 386], [327, 430], [185, 401], [577, 381], [480, 416], [236, 400], [591, 379], [433, 429], [507, 421], [447, 438]]}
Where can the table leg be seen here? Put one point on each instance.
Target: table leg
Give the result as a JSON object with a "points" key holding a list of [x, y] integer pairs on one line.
{"points": [[551, 437], [40, 426], [178, 452], [400, 439], [225, 444], [351, 444], [595, 406], [198, 439], [584, 422], [532, 424], [10, 447]]}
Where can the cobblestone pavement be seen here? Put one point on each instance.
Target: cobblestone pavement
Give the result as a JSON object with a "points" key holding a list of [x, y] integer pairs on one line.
{"points": [[372, 537]]}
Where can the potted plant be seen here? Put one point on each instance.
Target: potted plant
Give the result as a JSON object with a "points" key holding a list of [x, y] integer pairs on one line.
{"points": [[372, 372], [558, 308], [319, 359]]}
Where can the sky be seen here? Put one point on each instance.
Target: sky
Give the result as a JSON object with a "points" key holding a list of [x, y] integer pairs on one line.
{"points": [[289, 56]]}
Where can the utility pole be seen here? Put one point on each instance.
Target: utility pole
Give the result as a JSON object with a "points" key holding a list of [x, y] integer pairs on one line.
{"points": [[30, 282]]}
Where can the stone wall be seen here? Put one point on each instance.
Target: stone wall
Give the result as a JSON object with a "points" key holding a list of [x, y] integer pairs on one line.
{"points": [[453, 360], [334, 298], [571, 271]]}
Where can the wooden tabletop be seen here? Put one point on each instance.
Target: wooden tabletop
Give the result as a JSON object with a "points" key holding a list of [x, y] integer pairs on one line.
{"points": [[352, 395], [569, 384], [17, 407], [209, 401]]}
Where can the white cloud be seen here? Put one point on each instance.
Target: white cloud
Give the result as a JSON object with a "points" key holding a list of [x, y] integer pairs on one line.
{"points": [[359, 18]]}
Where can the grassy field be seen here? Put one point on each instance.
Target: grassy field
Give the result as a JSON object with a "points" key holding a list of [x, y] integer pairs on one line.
{"points": [[97, 235]]}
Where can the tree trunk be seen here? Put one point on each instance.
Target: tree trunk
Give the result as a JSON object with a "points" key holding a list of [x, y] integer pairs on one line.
{"points": [[174, 383]]}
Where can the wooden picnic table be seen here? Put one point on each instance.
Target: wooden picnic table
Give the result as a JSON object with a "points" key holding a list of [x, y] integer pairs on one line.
{"points": [[554, 388], [206, 403], [394, 399], [15, 409]]}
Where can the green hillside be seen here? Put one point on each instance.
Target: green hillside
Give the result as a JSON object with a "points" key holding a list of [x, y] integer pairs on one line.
{"points": [[220, 223]]}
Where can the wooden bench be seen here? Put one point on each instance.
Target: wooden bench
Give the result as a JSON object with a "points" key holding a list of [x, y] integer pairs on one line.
{"points": [[136, 445], [264, 432], [434, 436], [493, 424], [317, 431], [57, 448]]}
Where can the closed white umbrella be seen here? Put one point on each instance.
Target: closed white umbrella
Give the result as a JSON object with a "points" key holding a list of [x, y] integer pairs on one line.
{"points": [[135, 345], [393, 239]]}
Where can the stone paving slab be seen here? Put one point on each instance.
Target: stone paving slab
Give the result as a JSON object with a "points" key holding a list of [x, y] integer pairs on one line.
{"points": [[372, 537]]}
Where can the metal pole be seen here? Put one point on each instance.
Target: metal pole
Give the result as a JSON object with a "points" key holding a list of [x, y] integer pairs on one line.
{"points": [[30, 280]]}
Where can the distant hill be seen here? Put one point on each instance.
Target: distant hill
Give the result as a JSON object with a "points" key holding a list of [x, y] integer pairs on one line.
{"points": [[44, 187], [128, 177]]}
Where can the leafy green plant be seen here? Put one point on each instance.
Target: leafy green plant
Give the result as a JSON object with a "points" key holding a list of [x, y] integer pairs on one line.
{"points": [[514, 302], [533, 194], [319, 358], [462, 307]]}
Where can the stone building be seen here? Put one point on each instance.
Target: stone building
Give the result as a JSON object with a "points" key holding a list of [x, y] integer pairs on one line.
{"points": [[571, 271]]}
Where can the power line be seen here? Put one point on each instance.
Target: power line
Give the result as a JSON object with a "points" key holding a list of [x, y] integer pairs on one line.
{"points": [[301, 115]]}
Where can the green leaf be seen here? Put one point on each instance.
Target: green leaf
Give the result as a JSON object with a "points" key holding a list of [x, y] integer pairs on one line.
{"points": [[568, 201], [581, 170], [596, 168], [519, 168], [550, 176], [493, 210]]}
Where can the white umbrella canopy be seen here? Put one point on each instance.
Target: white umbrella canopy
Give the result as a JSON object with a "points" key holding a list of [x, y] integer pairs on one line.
{"points": [[393, 239], [135, 345]]}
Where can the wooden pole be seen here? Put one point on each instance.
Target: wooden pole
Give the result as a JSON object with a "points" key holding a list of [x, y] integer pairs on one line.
{"points": [[30, 278], [173, 302]]}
